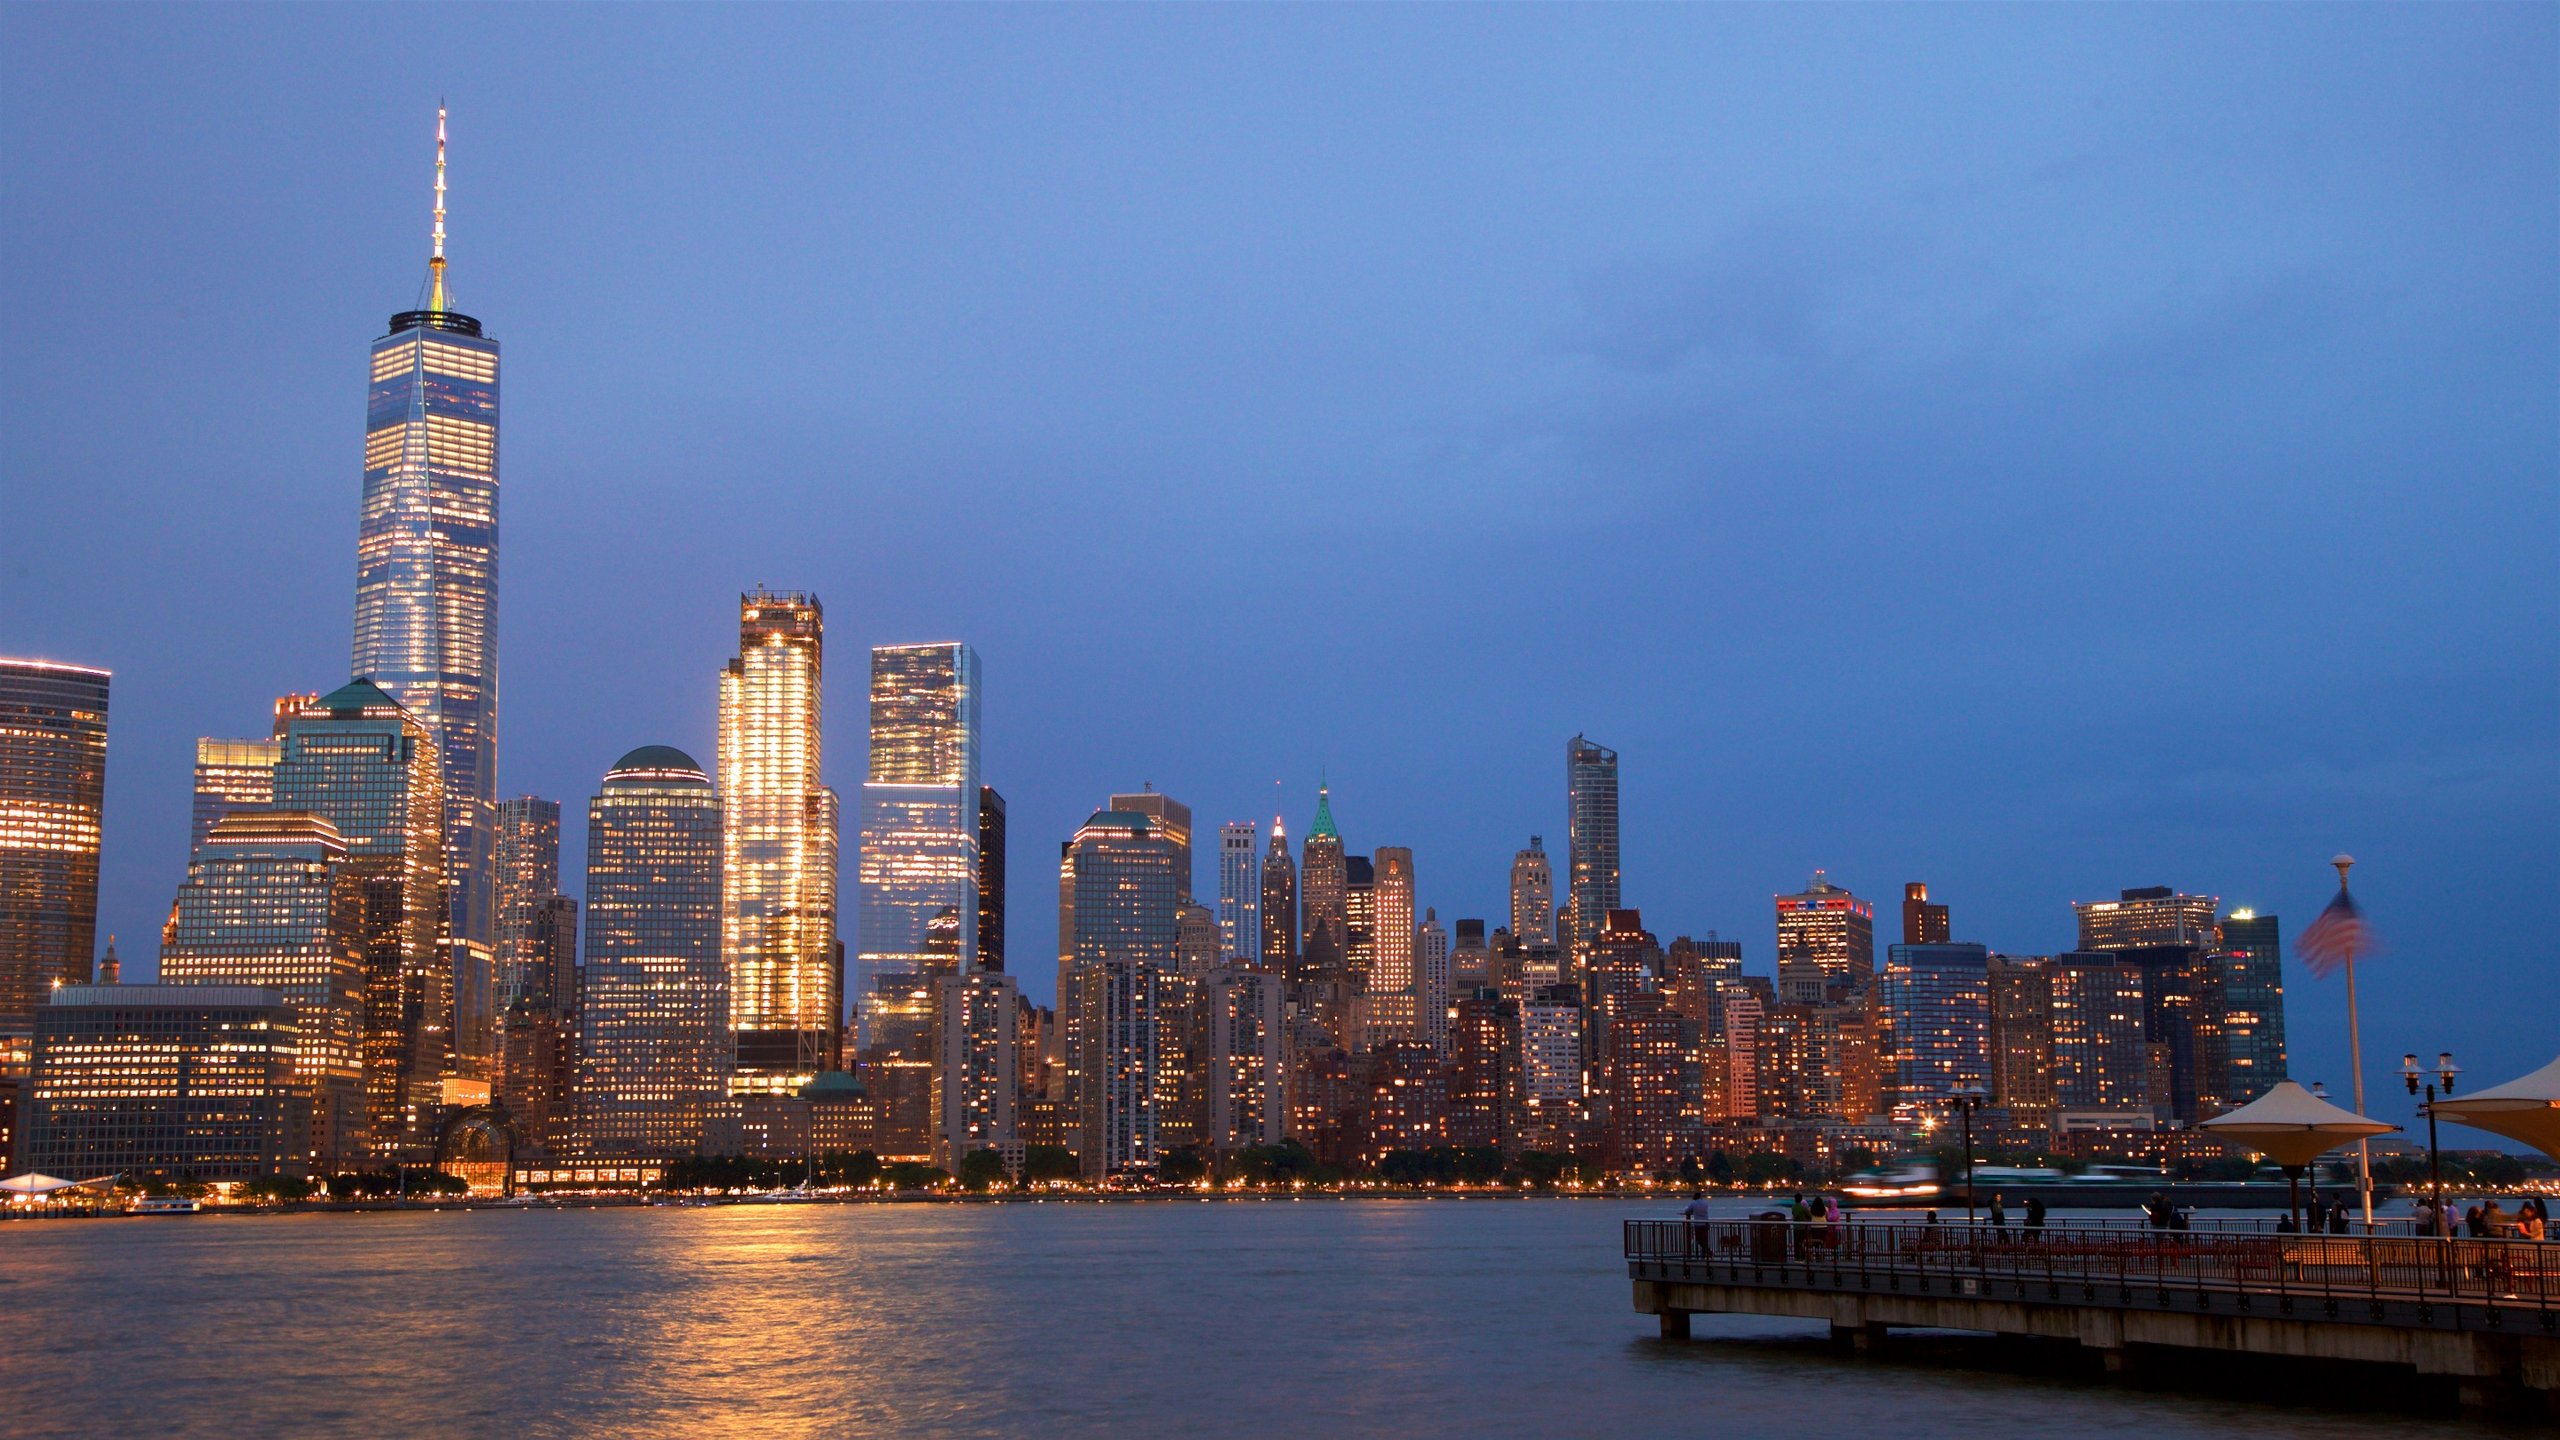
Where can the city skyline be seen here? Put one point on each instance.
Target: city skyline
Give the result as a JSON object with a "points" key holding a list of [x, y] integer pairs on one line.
{"points": [[2250, 824]]}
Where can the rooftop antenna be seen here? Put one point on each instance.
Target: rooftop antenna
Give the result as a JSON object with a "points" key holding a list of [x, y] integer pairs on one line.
{"points": [[435, 262]]}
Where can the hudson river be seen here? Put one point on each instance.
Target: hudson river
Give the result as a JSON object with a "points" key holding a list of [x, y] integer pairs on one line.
{"points": [[1315, 1317]]}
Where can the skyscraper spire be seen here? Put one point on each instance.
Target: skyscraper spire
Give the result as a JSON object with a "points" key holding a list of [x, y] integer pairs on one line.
{"points": [[435, 262]]}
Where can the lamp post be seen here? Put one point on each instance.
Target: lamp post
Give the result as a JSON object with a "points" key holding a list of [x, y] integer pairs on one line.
{"points": [[1968, 1096], [2444, 1072]]}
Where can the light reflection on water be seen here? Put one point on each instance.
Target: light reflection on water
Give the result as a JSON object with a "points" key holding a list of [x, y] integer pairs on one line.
{"points": [[1309, 1317]]}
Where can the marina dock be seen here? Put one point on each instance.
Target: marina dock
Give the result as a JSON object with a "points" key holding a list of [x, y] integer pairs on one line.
{"points": [[2485, 1313]]}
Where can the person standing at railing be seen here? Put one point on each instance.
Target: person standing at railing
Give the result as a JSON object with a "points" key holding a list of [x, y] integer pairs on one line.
{"points": [[2035, 1211], [1695, 1212], [1999, 1211], [2533, 1222]]}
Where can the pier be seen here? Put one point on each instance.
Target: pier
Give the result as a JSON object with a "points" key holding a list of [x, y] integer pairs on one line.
{"points": [[2485, 1313]]}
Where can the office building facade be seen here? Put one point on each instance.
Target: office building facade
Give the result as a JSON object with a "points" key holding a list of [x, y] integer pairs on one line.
{"points": [[919, 856], [653, 1014], [1240, 888], [1826, 936], [1533, 894], [53, 784], [426, 611], [177, 1082], [779, 830]]}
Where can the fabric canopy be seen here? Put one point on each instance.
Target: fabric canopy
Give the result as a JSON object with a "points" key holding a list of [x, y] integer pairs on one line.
{"points": [[2292, 1126], [32, 1183], [2526, 1109]]}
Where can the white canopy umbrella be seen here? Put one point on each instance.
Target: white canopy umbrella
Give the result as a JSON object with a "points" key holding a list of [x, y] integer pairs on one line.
{"points": [[2526, 1109], [2293, 1127]]}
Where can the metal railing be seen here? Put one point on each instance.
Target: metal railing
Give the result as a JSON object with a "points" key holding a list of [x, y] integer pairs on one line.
{"points": [[2373, 1279]]}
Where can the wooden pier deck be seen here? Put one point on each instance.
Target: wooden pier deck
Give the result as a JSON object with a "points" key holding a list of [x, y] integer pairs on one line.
{"points": [[2484, 1312]]}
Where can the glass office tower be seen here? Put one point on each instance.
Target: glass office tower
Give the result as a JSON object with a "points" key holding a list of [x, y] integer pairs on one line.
{"points": [[270, 901], [525, 874], [920, 810], [653, 1040], [358, 760], [53, 785], [778, 858], [426, 620], [1938, 1002]]}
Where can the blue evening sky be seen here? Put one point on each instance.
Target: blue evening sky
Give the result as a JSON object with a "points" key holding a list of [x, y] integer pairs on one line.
{"points": [[2034, 450]]}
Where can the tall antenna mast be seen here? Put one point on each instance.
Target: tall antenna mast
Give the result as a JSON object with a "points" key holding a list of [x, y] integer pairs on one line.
{"points": [[435, 263]]}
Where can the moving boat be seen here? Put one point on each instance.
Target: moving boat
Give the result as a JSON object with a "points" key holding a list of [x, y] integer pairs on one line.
{"points": [[162, 1205]]}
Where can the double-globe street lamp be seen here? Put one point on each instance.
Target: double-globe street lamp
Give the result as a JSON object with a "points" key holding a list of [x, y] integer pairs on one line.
{"points": [[2444, 1072]]}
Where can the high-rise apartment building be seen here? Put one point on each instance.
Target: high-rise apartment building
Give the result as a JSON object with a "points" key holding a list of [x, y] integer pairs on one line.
{"points": [[1922, 922], [53, 785], [231, 776], [1243, 1054], [2020, 990], [1937, 1004], [1392, 994], [1240, 888], [2101, 1060], [1127, 894], [2249, 1001], [1826, 936], [2152, 915], [356, 759], [653, 1015], [1431, 976], [920, 815], [270, 901], [979, 1069], [1279, 906], [1551, 1048], [426, 613], [1533, 894], [778, 861], [524, 868], [1591, 849], [990, 879]]}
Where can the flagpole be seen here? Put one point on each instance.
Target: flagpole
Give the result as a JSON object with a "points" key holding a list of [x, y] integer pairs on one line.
{"points": [[2355, 1059]]}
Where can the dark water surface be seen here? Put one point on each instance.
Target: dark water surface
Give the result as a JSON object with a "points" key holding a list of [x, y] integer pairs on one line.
{"points": [[1313, 1317]]}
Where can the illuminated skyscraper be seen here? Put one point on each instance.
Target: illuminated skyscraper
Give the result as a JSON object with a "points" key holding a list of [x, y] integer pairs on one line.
{"points": [[356, 759], [1391, 991], [1323, 884], [920, 809], [231, 776], [1937, 999], [2100, 1058], [1431, 982], [653, 1037], [1172, 821], [1591, 852], [270, 901], [2248, 999], [979, 1068], [1279, 906], [1826, 936], [53, 784], [991, 843], [2021, 1004], [1126, 899], [778, 862], [1240, 888], [426, 619], [192, 1082], [2153, 915], [526, 870], [1922, 922], [1533, 894]]}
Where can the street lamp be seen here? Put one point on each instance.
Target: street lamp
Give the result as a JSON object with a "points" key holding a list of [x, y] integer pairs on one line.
{"points": [[2444, 1072], [1968, 1096]]}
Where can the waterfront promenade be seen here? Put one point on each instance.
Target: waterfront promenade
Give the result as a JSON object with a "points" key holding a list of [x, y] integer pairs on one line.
{"points": [[2484, 1312]]}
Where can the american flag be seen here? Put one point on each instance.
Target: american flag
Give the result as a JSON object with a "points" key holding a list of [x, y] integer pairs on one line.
{"points": [[2338, 933]]}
